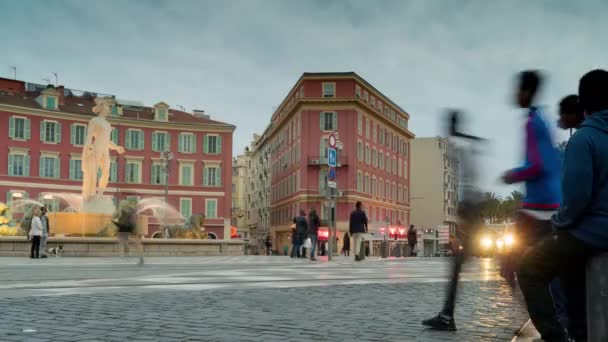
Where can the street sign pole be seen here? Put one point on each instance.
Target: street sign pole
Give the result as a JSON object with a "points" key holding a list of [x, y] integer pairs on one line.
{"points": [[332, 188]]}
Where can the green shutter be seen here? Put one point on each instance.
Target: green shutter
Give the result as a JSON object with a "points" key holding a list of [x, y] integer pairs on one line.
{"points": [[168, 142], [57, 168], [26, 165], [155, 141], [137, 173], [140, 140], [73, 134], [11, 127], [41, 167], [128, 139], [321, 182], [322, 148], [9, 198], [335, 121], [188, 175], [206, 144], [218, 146], [114, 135], [322, 122], [193, 144], [218, 176], [154, 174], [205, 174], [180, 143], [57, 132], [10, 164], [113, 172], [42, 131], [72, 173], [27, 129]]}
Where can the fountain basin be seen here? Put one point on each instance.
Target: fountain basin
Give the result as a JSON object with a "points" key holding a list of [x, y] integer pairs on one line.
{"points": [[19, 246], [72, 224]]}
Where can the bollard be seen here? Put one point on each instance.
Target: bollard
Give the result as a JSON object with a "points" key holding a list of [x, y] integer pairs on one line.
{"points": [[597, 298]]}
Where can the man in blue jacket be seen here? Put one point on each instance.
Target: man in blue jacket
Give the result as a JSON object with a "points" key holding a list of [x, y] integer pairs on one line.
{"points": [[580, 224]]}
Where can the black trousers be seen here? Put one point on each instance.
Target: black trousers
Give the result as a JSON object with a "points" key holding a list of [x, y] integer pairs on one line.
{"points": [[555, 256], [35, 252]]}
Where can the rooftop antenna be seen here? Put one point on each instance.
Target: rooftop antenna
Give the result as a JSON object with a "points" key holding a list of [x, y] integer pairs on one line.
{"points": [[14, 67], [56, 79]]}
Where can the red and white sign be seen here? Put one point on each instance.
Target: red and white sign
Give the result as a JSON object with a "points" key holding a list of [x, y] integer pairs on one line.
{"points": [[444, 234]]}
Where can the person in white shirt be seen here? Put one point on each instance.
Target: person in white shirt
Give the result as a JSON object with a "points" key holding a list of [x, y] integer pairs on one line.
{"points": [[36, 231]]}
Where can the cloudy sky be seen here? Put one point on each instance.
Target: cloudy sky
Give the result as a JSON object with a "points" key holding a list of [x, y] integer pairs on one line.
{"points": [[238, 59]]}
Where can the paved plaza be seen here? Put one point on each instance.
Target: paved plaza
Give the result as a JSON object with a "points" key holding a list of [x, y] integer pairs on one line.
{"points": [[247, 299]]}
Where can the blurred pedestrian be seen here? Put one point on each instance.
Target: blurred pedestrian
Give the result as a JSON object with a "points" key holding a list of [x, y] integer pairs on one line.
{"points": [[295, 242], [313, 223], [412, 239], [127, 229], [571, 114], [357, 228], [35, 233], [45, 232], [268, 244], [346, 245], [301, 231]]}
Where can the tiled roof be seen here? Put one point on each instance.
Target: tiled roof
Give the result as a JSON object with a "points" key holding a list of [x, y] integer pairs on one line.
{"points": [[83, 105]]}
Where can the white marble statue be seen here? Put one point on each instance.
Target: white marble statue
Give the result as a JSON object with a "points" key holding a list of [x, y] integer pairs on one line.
{"points": [[96, 150]]}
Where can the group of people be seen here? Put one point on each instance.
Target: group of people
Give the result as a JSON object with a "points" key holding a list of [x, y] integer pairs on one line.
{"points": [[305, 229], [564, 214], [39, 233]]}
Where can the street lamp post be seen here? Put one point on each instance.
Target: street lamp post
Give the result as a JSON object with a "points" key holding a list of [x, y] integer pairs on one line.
{"points": [[165, 158]]}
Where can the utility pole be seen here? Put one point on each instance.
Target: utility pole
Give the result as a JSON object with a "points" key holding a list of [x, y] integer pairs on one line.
{"points": [[332, 190], [56, 79]]}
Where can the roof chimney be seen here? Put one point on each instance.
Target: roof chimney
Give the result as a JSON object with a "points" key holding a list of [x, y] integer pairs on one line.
{"points": [[200, 114], [61, 91]]}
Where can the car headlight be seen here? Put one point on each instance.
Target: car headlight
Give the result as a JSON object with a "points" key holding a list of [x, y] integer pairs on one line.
{"points": [[486, 242], [509, 240]]}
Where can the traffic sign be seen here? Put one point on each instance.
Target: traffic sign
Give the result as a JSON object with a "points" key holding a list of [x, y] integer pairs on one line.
{"points": [[332, 141], [331, 157], [331, 174], [332, 184]]}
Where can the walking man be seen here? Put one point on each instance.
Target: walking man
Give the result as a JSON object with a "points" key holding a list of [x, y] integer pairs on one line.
{"points": [[358, 227], [299, 234], [580, 224], [45, 232], [412, 239], [313, 223]]}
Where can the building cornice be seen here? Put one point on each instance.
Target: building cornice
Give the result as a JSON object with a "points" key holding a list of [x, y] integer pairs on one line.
{"points": [[120, 120]]}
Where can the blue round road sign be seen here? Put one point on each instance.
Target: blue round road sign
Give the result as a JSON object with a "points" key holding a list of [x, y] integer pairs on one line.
{"points": [[331, 174]]}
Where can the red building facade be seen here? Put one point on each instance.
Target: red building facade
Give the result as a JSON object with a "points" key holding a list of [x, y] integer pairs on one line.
{"points": [[44, 132], [373, 164]]}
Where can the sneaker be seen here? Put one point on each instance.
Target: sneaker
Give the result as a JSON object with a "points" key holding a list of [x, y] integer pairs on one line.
{"points": [[313, 259], [44, 257], [357, 258], [440, 322]]}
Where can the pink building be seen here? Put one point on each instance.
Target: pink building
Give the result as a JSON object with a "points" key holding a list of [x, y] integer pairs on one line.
{"points": [[45, 128], [373, 166]]}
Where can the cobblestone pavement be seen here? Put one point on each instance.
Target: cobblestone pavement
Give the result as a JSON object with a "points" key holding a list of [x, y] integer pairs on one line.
{"points": [[247, 299]]}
